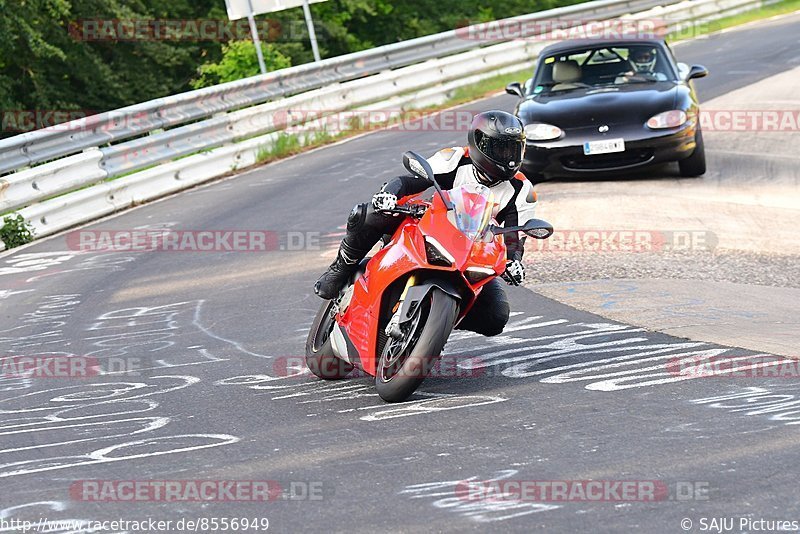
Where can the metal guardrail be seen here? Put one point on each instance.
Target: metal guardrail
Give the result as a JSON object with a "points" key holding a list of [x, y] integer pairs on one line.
{"points": [[233, 140], [97, 130]]}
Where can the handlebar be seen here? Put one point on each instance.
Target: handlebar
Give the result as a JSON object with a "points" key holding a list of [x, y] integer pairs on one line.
{"points": [[412, 210]]}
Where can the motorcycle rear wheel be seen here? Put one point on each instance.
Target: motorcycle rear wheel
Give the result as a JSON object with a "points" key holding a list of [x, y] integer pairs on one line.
{"points": [[405, 362]]}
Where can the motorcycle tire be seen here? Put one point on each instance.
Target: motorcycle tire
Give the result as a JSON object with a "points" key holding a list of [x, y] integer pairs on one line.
{"points": [[429, 330]]}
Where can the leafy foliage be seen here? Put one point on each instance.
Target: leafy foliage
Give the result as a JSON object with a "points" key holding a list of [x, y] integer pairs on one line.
{"points": [[16, 231], [239, 60], [44, 66]]}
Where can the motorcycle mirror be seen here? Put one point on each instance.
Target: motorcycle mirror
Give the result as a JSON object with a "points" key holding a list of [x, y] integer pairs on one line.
{"points": [[535, 228], [418, 166], [538, 229]]}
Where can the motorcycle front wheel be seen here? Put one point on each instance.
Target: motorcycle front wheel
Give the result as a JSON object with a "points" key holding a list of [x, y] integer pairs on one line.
{"points": [[405, 362]]}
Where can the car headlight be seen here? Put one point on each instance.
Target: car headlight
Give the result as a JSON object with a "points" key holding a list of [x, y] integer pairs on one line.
{"points": [[540, 131], [668, 119]]}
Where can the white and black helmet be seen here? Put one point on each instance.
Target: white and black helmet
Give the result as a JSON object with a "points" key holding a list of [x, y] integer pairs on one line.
{"points": [[643, 58], [496, 145]]}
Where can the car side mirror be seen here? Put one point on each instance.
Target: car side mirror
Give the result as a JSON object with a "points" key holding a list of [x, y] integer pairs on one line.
{"points": [[514, 88], [697, 71]]}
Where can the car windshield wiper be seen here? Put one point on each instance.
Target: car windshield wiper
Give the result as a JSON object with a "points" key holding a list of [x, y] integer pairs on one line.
{"points": [[578, 85], [644, 80]]}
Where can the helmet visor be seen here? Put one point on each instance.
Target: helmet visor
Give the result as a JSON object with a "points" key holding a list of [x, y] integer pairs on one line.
{"points": [[644, 60], [505, 151]]}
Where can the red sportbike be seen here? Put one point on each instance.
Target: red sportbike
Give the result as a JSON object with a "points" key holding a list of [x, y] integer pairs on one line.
{"points": [[394, 317]]}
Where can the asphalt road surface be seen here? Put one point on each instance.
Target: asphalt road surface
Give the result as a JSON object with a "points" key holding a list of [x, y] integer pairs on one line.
{"points": [[562, 396]]}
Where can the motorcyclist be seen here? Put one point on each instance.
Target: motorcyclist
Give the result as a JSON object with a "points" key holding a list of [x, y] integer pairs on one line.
{"points": [[493, 157]]}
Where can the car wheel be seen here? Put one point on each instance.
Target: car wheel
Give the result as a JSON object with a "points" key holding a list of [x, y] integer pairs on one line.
{"points": [[695, 165]]}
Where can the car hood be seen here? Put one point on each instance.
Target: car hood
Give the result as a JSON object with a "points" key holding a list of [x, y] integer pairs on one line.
{"points": [[601, 105]]}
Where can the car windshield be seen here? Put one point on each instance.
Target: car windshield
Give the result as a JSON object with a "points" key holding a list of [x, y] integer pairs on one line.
{"points": [[602, 67], [473, 204]]}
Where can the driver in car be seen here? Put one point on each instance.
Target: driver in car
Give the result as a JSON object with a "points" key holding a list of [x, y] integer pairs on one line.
{"points": [[643, 62], [493, 157]]}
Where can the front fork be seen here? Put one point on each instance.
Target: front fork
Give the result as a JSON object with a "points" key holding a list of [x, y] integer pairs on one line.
{"points": [[393, 329]]}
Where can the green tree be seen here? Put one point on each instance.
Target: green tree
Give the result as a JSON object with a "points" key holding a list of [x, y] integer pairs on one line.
{"points": [[46, 63], [49, 63], [239, 60]]}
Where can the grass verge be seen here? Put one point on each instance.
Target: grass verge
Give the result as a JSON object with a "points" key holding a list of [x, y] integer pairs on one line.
{"points": [[780, 8]]}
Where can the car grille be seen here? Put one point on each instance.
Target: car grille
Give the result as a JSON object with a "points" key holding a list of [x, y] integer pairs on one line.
{"points": [[607, 161]]}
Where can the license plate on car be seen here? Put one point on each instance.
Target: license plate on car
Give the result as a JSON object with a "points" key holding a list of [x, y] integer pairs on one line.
{"points": [[605, 146]]}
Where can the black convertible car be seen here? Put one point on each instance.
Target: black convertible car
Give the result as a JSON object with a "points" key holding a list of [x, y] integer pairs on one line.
{"points": [[609, 106]]}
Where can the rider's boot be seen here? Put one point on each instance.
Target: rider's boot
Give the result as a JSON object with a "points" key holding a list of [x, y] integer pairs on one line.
{"points": [[334, 279], [364, 228]]}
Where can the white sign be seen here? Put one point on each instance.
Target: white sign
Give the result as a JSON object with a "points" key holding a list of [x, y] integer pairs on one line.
{"points": [[239, 9]]}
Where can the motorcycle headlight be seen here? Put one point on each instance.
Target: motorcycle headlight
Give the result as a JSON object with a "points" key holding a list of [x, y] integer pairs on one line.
{"points": [[437, 254], [668, 119], [540, 131], [476, 274]]}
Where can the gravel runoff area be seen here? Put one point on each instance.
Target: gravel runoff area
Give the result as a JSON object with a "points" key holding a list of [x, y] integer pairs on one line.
{"points": [[728, 266]]}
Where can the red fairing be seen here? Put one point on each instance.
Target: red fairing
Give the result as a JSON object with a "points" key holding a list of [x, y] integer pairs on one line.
{"points": [[406, 254]]}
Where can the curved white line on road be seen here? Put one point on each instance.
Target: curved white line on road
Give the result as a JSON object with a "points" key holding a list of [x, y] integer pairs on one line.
{"points": [[211, 334], [100, 456]]}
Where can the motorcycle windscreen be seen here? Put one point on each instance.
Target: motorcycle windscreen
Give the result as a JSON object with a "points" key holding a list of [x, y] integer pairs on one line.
{"points": [[473, 205]]}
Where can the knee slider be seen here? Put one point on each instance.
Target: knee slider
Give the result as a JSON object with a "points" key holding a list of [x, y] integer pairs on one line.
{"points": [[355, 221]]}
